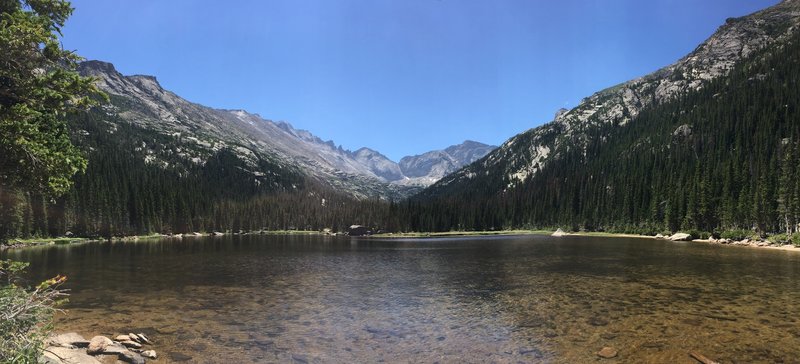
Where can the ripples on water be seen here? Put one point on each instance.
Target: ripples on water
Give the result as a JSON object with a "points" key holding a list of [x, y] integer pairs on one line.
{"points": [[491, 299]]}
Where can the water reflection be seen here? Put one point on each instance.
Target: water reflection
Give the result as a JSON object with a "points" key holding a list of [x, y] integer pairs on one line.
{"points": [[492, 299]]}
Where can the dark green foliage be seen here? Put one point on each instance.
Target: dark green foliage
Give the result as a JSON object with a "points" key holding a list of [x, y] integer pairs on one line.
{"points": [[736, 170], [38, 89]]}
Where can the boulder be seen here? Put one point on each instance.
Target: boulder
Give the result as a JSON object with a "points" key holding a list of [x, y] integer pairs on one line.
{"points": [[607, 352], [681, 237], [98, 344], [134, 337], [61, 355], [149, 354], [659, 236], [121, 338], [69, 340], [559, 233]]}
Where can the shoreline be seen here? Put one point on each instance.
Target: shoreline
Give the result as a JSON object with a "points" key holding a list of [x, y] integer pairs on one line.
{"points": [[39, 242]]}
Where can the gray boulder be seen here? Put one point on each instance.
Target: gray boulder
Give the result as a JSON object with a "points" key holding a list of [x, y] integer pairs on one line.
{"points": [[681, 237]]}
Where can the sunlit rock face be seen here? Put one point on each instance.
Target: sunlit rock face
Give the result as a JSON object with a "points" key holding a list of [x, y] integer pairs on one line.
{"points": [[199, 131]]}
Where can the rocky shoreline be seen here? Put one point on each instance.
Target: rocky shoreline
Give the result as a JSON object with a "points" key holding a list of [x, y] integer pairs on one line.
{"points": [[754, 243], [72, 348], [684, 237]]}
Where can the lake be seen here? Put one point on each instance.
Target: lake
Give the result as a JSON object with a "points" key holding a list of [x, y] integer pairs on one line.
{"points": [[508, 299]]}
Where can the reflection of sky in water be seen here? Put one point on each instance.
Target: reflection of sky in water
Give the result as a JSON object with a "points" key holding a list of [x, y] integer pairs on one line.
{"points": [[489, 299]]}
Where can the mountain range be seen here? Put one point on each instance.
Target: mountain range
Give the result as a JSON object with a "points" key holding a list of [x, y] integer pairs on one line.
{"points": [[141, 100], [709, 143]]}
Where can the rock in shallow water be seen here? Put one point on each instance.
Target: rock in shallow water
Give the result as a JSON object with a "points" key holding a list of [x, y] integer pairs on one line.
{"points": [[132, 344], [131, 357], [607, 352], [143, 339], [98, 344]]}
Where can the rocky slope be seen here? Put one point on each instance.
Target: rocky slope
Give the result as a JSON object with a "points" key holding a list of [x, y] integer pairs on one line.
{"points": [[527, 153], [202, 131]]}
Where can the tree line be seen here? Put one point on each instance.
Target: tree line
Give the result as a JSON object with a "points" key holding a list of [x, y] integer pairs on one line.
{"points": [[721, 158]]}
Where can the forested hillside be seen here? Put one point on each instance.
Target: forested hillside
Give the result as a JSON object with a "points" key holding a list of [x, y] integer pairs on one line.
{"points": [[724, 157], [136, 183]]}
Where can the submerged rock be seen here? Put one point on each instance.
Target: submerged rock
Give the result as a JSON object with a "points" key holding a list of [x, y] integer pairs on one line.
{"points": [[607, 352]]}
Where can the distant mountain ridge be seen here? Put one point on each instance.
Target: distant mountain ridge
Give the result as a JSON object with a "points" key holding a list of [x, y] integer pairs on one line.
{"points": [[142, 101], [422, 169]]}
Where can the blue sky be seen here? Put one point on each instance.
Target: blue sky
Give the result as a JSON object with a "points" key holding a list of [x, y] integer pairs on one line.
{"points": [[402, 76]]}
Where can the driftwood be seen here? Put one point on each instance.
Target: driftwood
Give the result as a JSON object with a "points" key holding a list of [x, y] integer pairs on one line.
{"points": [[701, 358]]}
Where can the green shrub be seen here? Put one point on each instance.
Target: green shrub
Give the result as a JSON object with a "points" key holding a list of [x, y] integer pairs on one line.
{"points": [[697, 234], [779, 239], [795, 239], [736, 234], [25, 313]]}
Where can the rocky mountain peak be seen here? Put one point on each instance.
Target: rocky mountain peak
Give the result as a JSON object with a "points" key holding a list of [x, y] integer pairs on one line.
{"points": [[94, 67], [525, 154]]}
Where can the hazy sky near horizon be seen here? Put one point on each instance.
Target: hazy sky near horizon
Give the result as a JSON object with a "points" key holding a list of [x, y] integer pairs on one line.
{"points": [[402, 76]]}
